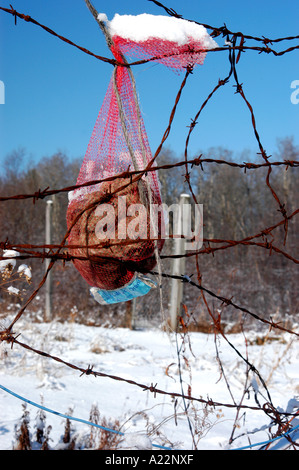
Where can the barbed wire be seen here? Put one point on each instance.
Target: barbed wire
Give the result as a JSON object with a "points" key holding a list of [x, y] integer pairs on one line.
{"points": [[62, 252], [233, 72], [195, 162], [114, 431], [10, 338], [216, 31]]}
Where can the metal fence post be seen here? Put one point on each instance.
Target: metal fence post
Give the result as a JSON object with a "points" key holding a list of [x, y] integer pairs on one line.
{"points": [[178, 267], [48, 284]]}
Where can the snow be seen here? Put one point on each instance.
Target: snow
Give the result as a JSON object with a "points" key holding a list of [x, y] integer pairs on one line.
{"points": [[11, 262], [145, 26], [148, 357], [102, 17], [135, 441], [7, 273], [13, 290], [25, 270]]}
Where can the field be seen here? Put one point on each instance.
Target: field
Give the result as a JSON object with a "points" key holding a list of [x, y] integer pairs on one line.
{"points": [[196, 364]]}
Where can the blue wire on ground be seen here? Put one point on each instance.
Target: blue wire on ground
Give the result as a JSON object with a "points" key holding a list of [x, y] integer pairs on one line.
{"points": [[70, 417], [269, 441], [121, 433]]}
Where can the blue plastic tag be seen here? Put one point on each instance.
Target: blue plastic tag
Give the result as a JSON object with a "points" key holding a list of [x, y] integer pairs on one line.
{"points": [[139, 286]]}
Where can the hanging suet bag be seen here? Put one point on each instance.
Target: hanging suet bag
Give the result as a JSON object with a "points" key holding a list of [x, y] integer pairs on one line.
{"points": [[108, 256]]}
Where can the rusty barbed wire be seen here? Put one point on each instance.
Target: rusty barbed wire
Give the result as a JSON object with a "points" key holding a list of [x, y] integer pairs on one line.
{"points": [[62, 252], [28, 19], [216, 31], [223, 30], [195, 162], [40, 194], [9, 337]]}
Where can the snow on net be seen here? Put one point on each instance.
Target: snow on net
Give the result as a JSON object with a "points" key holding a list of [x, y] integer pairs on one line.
{"points": [[171, 41]]}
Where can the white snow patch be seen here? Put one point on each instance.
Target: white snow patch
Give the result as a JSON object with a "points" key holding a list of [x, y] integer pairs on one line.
{"points": [[13, 290], [12, 254], [145, 26], [135, 441], [24, 269], [102, 17]]}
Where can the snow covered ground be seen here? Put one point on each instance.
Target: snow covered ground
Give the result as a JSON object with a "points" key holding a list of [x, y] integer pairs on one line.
{"points": [[148, 356]]}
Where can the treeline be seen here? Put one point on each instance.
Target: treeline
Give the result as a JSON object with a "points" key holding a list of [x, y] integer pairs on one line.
{"points": [[236, 205]]}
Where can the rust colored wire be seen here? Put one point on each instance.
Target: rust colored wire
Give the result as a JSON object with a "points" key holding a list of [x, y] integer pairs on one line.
{"points": [[63, 252]]}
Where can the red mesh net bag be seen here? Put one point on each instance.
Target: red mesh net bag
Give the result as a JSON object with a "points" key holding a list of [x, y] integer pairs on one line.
{"points": [[106, 258]]}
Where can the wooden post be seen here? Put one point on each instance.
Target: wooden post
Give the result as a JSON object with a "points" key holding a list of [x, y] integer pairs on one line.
{"points": [[48, 284], [178, 268]]}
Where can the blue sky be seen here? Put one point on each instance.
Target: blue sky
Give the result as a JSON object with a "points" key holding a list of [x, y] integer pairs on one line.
{"points": [[53, 92]]}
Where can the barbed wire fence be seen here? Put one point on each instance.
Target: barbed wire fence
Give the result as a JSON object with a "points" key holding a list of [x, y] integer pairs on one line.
{"points": [[263, 239]]}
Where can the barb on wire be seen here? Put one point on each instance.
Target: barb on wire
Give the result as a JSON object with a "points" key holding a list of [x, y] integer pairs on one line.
{"points": [[223, 30], [28, 19], [71, 418], [216, 31], [195, 162], [227, 301], [11, 339]]}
